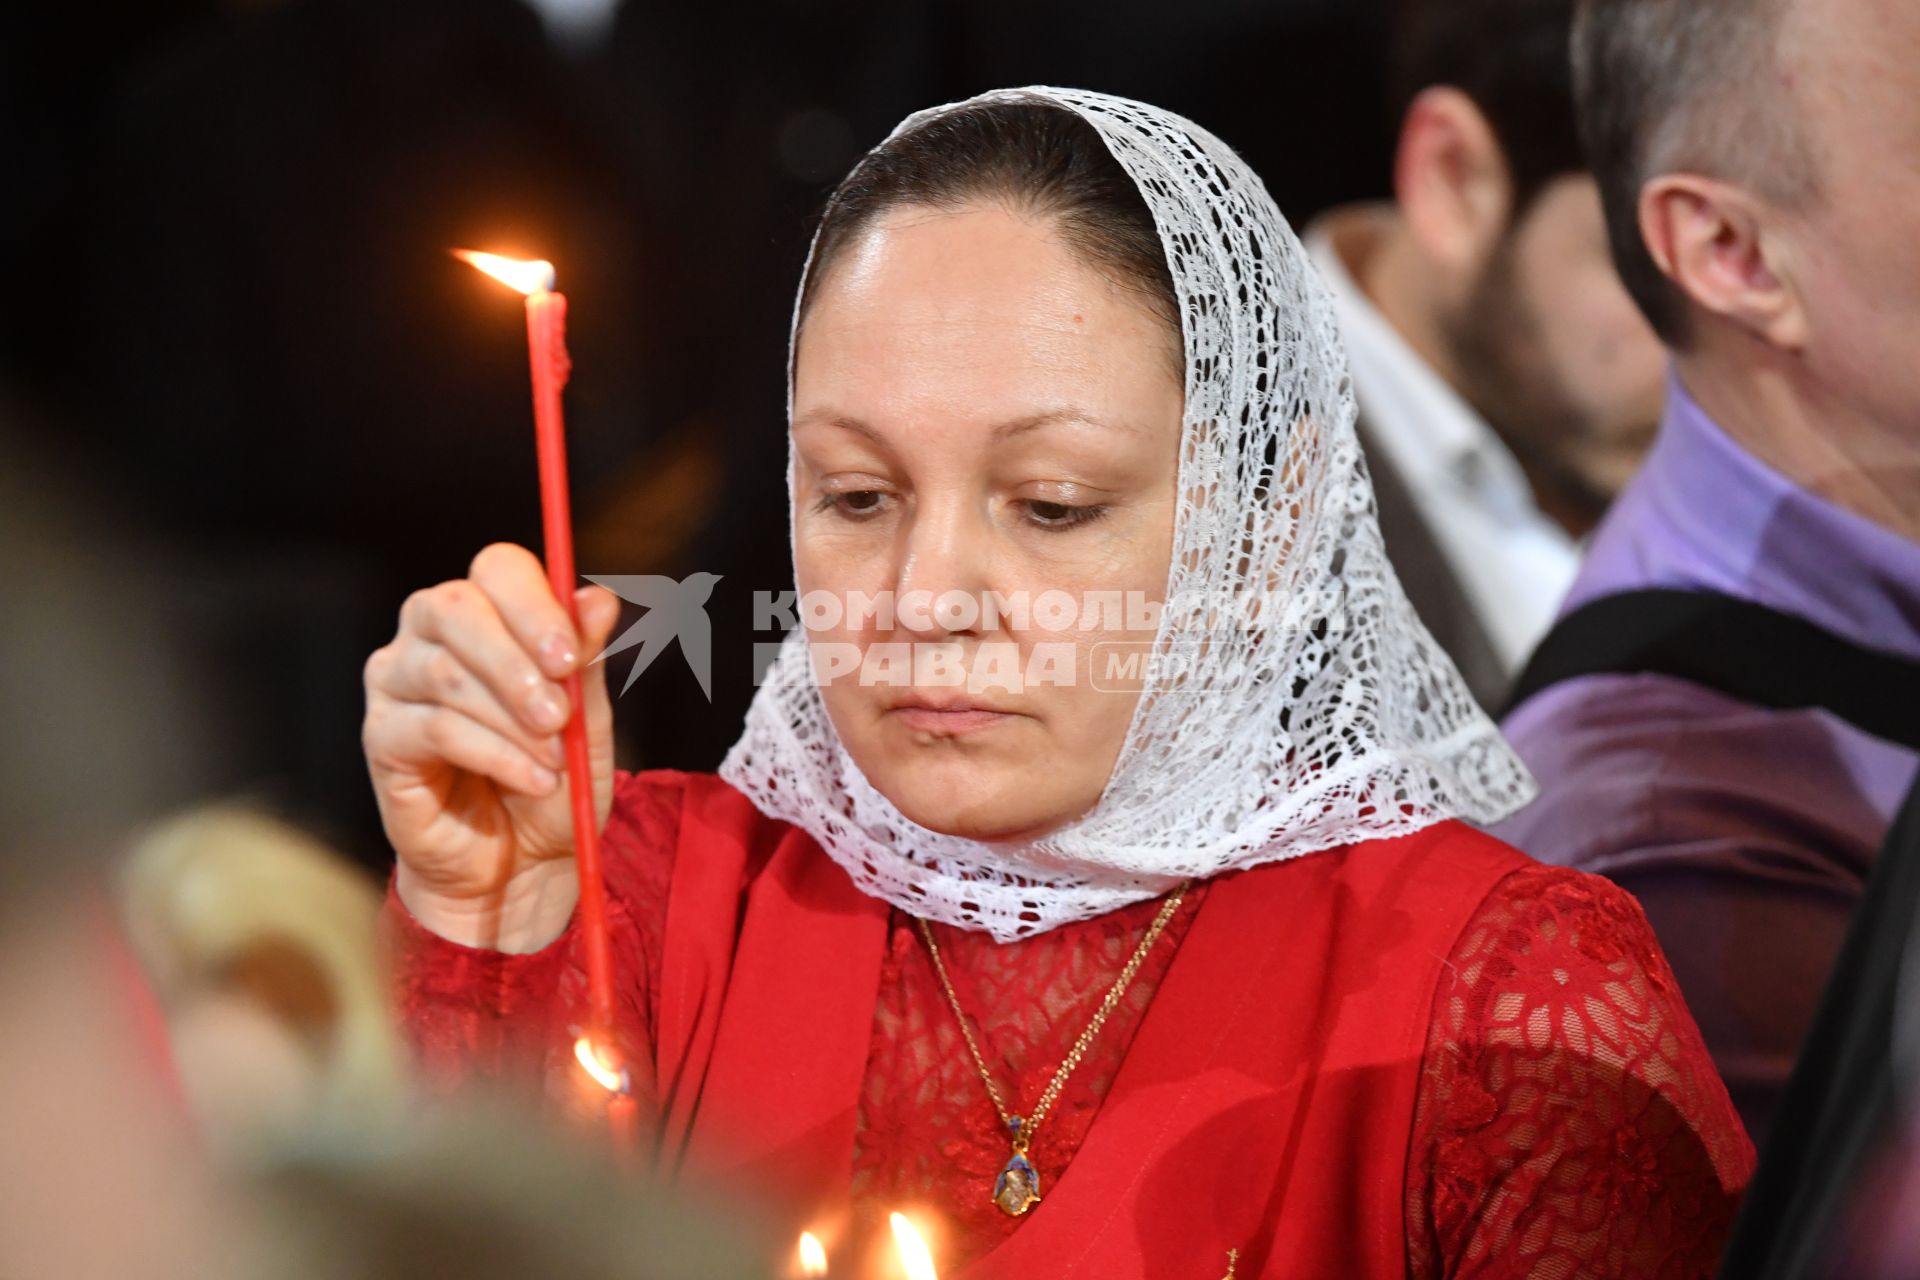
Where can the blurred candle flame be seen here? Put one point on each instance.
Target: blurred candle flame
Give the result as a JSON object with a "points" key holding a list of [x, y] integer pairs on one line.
{"points": [[589, 1055], [813, 1256], [913, 1250], [528, 277]]}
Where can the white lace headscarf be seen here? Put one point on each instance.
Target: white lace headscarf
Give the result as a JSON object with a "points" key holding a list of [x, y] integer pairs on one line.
{"points": [[1345, 721]]}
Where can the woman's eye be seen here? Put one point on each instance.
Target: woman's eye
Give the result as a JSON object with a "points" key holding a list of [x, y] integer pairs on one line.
{"points": [[854, 503], [1058, 515]]}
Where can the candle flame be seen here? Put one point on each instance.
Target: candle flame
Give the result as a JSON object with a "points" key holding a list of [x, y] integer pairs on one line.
{"points": [[588, 1053], [913, 1250], [528, 277], [813, 1255]]}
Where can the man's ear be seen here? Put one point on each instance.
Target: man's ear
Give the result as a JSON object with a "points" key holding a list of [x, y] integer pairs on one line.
{"points": [[1719, 246], [1451, 180]]}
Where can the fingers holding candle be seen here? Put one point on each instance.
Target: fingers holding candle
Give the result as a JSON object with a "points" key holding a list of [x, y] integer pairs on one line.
{"points": [[456, 650], [456, 657], [560, 642], [418, 732], [528, 633], [542, 625], [463, 735], [433, 678]]}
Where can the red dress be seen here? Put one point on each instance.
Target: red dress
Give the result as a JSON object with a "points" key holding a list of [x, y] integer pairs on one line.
{"points": [[1427, 1056]]}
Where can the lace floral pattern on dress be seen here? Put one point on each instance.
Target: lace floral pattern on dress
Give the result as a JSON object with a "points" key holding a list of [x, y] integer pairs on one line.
{"points": [[1570, 1122]]}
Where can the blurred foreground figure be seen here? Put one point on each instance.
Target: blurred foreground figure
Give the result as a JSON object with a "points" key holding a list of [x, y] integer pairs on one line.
{"points": [[104, 1177], [258, 943], [1507, 385], [1727, 718], [100, 1173]]}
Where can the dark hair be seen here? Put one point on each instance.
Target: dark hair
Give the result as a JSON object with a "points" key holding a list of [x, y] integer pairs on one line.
{"points": [[1669, 84], [1036, 156], [1510, 58]]}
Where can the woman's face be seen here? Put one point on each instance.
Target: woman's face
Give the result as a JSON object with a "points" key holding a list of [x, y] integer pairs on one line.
{"points": [[979, 415]]}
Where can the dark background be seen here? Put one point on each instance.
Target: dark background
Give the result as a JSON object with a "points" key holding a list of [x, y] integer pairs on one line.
{"points": [[233, 328]]}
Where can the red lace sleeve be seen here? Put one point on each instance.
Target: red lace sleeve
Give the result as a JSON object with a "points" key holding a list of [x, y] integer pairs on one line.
{"points": [[1569, 1123], [466, 1012], [473, 1016]]}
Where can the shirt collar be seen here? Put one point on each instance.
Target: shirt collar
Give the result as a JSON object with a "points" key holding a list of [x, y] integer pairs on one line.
{"points": [[1432, 435], [1705, 514]]}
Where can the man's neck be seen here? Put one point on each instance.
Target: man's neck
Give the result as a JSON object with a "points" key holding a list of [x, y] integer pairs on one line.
{"points": [[1385, 263], [1769, 403]]}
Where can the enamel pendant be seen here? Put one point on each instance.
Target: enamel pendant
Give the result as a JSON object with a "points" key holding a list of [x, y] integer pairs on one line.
{"points": [[1017, 1189]]}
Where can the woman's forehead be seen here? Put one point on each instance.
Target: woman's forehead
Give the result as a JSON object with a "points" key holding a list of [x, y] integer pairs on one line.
{"points": [[917, 265], [982, 302]]}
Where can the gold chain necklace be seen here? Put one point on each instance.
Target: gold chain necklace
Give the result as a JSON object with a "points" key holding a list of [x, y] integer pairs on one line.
{"points": [[1017, 1189]]}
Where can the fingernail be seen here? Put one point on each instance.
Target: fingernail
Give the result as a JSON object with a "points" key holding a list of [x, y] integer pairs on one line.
{"points": [[545, 780], [556, 651], [546, 710]]}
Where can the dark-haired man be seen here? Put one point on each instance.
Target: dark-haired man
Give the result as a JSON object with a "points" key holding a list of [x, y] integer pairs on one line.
{"points": [[1507, 384], [1729, 715]]}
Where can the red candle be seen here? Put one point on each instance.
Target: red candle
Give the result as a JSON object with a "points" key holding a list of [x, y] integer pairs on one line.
{"points": [[547, 348]]}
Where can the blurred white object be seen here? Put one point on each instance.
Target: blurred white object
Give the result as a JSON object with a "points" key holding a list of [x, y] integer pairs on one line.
{"points": [[262, 946]]}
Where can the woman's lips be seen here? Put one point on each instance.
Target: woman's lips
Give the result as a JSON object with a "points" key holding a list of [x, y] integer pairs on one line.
{"points": [[930, 720]]}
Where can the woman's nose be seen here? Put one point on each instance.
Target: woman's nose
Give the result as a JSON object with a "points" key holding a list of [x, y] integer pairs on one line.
{"points": [[942, 570]]}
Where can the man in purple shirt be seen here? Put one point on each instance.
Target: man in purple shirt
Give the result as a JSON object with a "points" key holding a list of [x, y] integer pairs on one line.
{"points": [[1760, 163]]}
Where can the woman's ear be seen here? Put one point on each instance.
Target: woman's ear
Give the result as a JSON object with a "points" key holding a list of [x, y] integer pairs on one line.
{"points": [[1723, 249], [1451, 181]]}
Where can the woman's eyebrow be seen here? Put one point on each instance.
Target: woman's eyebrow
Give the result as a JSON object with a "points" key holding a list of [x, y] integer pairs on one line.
{"points": [[1053, 417], [1005, 430], [830, 418]]}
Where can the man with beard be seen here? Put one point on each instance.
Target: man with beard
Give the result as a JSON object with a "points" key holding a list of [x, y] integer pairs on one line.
{"points": [[1507, 385], [1727, 717]]}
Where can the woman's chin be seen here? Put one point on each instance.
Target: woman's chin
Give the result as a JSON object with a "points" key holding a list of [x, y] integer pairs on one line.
{"points": [[973, 803]]}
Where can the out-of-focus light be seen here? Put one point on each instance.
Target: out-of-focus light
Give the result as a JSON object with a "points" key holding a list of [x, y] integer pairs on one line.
{"points": [[913, 1250], [589, 1055], [813, 1255]]}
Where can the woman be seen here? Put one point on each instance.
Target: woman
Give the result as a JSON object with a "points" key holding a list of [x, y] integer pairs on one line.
{"points": [[1113, 975]]}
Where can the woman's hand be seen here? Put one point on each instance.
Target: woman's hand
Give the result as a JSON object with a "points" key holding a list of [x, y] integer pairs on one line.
{"points": [[462, 734]]}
